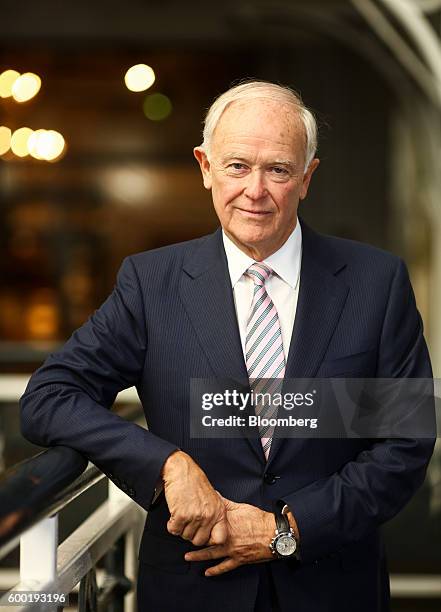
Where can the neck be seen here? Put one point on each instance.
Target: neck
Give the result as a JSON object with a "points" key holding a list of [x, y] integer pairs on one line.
{"points": [[261, 251]]}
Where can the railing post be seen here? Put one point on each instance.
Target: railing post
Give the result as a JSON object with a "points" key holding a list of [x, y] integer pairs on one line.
{"points": [[128, 561], [114, 563], [88, 595]]}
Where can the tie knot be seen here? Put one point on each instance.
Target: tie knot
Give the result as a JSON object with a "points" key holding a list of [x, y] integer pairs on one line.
{"points": [[259, 272]]}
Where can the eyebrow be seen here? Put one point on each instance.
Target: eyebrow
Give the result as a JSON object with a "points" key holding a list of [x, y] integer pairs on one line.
{"points": [[276, 162], [284, 162]]}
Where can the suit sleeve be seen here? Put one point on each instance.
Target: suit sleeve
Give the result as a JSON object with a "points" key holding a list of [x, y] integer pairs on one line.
{"points": [[343, 508], [68, 399]]}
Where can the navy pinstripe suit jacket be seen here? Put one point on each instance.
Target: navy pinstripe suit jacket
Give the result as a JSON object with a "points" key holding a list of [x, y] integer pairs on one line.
{"points": [[171, 317]]}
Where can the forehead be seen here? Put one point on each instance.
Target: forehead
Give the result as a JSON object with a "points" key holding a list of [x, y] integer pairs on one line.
{"points": [[260, 122]]}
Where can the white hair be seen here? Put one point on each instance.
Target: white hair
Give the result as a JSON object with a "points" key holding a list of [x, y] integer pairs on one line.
{"points": [[262, 89]]}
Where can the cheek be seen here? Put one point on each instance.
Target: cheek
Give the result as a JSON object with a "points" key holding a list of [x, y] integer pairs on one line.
{"points": [[288, 199], [225, 192]]}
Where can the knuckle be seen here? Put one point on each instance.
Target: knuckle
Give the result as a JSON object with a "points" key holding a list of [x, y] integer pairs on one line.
{"points": [[172, 531], [220, 537]]}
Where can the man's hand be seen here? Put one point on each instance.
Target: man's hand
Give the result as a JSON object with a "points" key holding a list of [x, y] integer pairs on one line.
{"points": [[197, 512], [250, 531]]}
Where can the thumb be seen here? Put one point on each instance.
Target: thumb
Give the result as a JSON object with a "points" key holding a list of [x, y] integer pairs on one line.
{"points": [[219, 533]]}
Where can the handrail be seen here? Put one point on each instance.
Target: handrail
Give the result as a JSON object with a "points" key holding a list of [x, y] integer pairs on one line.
{"points": [[31, 495], [42, 485], [38, 487], [111, 532]]}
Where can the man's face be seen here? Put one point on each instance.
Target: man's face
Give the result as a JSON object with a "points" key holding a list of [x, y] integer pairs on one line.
{"points": [[256, 174]]}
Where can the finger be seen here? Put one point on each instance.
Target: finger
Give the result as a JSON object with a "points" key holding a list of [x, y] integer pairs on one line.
{"points": [[172, 528], [206, 554], [222, 568], [176, 526], [219, 533], [190, 531], [201, 537]]}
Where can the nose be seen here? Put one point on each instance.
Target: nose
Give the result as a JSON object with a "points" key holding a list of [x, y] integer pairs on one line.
{"points": [[255, 187]]}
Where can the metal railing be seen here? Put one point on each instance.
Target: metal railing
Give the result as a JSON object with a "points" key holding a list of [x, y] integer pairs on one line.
{"points": [[32, 494]]}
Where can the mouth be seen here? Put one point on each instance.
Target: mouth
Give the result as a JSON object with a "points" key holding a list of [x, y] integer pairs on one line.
{"points": [[254, 213]]}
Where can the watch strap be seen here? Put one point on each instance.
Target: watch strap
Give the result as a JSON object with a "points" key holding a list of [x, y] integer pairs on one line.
{"points": [[282, 523]]}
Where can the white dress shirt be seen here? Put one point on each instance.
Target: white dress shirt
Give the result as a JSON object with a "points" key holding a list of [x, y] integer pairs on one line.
{"points": [[282, 286]]}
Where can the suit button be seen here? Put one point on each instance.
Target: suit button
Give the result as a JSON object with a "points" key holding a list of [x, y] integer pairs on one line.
{"points": [[270, 478]]}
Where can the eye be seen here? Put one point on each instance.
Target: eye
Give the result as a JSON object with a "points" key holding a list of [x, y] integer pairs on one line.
{"points": [[279, 170], [236, 169]]}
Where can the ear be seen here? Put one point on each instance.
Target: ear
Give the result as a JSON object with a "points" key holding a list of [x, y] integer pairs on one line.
{"points": [[307, 177], [204, 165]]}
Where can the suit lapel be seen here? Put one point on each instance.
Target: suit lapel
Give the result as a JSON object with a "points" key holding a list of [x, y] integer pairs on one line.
{"points": [[207, 296], [321, 300], [322, 295]]}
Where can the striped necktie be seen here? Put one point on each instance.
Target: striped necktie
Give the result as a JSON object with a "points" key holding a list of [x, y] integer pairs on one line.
{"points": [[264, 355]]}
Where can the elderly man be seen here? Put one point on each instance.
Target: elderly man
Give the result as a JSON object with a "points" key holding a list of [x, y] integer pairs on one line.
{"points": [[245, 524]]}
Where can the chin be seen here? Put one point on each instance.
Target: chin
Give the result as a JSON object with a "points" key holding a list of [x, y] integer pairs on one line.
{"points": [[253, 233], [250, 239]]}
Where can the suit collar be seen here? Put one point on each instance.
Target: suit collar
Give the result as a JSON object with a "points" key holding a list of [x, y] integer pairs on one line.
{"points": [[322, 250], [210, 251]]}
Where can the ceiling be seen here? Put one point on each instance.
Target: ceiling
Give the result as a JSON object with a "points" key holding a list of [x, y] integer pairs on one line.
{"points": [[140, 21]]}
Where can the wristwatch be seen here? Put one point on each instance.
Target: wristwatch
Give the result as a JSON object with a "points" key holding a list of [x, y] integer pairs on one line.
{"points": [[284, 545]]}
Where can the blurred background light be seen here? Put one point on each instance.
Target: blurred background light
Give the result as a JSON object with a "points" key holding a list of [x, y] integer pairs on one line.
{"points": [[139, 77], [33, 144], [157, 107], [132, 185], [46, 144], [42, 318], [20, 140], [5, 139], [26, 86], [7, 80]]}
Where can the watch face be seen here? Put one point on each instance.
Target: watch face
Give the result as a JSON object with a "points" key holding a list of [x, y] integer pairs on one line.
{"points": [[286, 546]]}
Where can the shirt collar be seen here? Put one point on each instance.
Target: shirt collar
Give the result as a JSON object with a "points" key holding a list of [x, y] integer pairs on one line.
{"points": [[285, 262]]}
